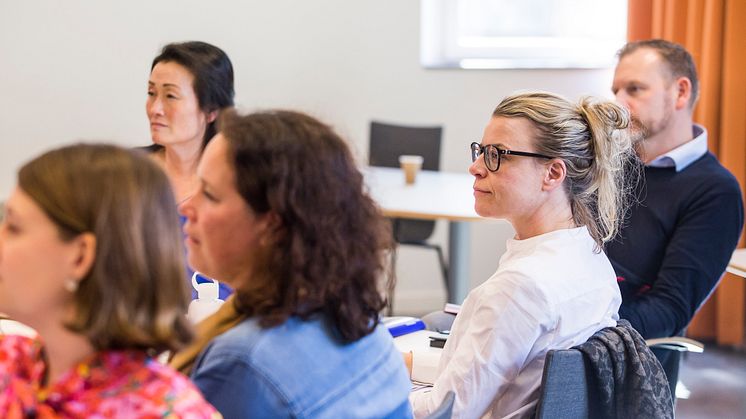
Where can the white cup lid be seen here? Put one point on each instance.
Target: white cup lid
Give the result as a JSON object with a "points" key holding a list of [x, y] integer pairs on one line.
{"points": [[409, 158]]}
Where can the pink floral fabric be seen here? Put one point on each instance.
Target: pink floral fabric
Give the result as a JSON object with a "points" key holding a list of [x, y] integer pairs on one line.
{"points": [[109, 384]]}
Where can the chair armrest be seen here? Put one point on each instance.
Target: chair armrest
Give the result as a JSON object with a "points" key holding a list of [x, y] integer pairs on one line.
{"points": [[676, 343]]}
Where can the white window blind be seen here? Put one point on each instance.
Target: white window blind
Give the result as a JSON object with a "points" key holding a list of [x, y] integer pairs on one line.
{"points": [[521, 33]]}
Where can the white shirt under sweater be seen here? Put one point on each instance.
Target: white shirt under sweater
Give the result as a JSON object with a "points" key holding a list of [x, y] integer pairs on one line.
{"points": [[551, 291]]}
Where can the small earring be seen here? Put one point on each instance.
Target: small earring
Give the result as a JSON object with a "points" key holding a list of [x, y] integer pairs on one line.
{"points": [[71, 285]]}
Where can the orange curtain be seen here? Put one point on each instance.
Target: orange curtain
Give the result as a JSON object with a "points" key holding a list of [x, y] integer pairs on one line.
{"points": [[715, 34]]}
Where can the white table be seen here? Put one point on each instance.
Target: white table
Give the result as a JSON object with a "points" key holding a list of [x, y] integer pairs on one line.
{"points": [[434, 196], [737, 264], [428, 356]]}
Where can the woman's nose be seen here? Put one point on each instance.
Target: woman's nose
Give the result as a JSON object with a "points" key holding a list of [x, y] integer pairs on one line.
{"points": [[476, 168], [186, 209], [154, 106]]}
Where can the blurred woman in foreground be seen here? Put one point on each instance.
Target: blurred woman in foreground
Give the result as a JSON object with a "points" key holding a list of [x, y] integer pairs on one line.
{"points": [[87, 258]]}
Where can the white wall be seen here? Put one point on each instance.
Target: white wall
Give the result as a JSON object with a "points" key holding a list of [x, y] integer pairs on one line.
{"points": [[72, 70]]}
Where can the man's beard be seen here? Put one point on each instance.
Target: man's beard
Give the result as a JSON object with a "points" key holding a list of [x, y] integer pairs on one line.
{"points": [[638, 130], [642, 131]]}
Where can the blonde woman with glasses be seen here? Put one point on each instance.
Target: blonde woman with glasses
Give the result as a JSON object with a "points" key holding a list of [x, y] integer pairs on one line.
{"points": [[554, 170]]}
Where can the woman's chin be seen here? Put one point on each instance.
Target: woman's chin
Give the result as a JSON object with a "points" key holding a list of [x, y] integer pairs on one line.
{"points": [[485, 211], [196, 266]]}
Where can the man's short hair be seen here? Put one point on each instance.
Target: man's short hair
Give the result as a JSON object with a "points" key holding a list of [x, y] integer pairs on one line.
{"points": [[678, 59]]}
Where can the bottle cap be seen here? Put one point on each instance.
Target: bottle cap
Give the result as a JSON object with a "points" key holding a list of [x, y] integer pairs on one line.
{"points": [[205, 290]]}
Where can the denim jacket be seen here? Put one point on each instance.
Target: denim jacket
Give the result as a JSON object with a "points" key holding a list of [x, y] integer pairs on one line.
{"points": [[299, 369]]}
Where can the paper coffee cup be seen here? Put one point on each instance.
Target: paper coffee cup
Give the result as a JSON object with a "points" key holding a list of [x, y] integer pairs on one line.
{"points": [[411, 165]]}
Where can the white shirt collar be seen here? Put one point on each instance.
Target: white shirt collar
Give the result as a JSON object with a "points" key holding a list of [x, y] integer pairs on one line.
{"points": [[685, 154]]}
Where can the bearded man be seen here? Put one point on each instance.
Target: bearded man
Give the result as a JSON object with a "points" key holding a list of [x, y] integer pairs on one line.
{"points": [[677, 240]]}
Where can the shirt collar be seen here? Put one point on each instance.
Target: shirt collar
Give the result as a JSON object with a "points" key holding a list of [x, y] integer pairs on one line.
{"points": [[685, 154]]}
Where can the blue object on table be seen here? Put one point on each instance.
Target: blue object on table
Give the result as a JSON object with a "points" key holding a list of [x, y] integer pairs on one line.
{"points": [[401, 325]]}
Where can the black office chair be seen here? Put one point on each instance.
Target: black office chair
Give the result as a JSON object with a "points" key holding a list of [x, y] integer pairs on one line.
{"points": [[387, 143]]}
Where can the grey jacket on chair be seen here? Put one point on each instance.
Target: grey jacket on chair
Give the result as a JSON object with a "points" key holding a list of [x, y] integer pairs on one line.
{"points": [[627, 379]]}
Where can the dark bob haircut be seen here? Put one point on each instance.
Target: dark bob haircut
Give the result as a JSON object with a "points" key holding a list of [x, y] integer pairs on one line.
{"points": [[212, 71], [328, 253]]}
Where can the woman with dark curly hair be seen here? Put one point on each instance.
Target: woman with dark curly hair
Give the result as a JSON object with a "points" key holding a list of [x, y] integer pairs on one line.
{"points": [[282, 217]]}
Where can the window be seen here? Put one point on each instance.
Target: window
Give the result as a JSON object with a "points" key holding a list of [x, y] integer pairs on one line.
{"points": [[521, 33]]}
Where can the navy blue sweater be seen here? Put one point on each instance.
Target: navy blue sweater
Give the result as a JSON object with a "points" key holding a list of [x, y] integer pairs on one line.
{"points": [[675, 244]]}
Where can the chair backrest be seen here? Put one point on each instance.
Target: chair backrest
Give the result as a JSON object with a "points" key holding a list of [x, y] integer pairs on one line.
{"points": [[388, 142], [445, 410], [564, 386], [612, 374]]}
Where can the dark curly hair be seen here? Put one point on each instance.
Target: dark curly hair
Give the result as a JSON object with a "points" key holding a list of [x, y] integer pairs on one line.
{"points": [[327, 255]]}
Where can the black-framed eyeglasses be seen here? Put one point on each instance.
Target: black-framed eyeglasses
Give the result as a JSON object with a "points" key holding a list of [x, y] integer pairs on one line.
{"points": [[492, 155]]}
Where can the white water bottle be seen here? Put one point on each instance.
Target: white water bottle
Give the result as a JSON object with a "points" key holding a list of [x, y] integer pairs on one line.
{"points": [[207, 301]]}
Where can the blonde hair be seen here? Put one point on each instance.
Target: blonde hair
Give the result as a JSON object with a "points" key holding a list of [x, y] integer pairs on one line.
{"points": [[135, 294], [592, 138]]}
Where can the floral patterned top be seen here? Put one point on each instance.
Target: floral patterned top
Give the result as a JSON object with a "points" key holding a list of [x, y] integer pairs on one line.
{"points": [[109, 384]]}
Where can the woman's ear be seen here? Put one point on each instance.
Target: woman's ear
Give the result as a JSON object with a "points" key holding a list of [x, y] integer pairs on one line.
{"points": [[83, 255], [555, 174], [212, 116]]}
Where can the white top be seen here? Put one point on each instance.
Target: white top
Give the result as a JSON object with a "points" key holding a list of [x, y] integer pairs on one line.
{"points": [[551, 291], [685, 154], [12, 327]]}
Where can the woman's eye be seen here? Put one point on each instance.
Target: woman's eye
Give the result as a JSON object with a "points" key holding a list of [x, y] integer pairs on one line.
{"points": [[11, 228], [209, 196]]}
